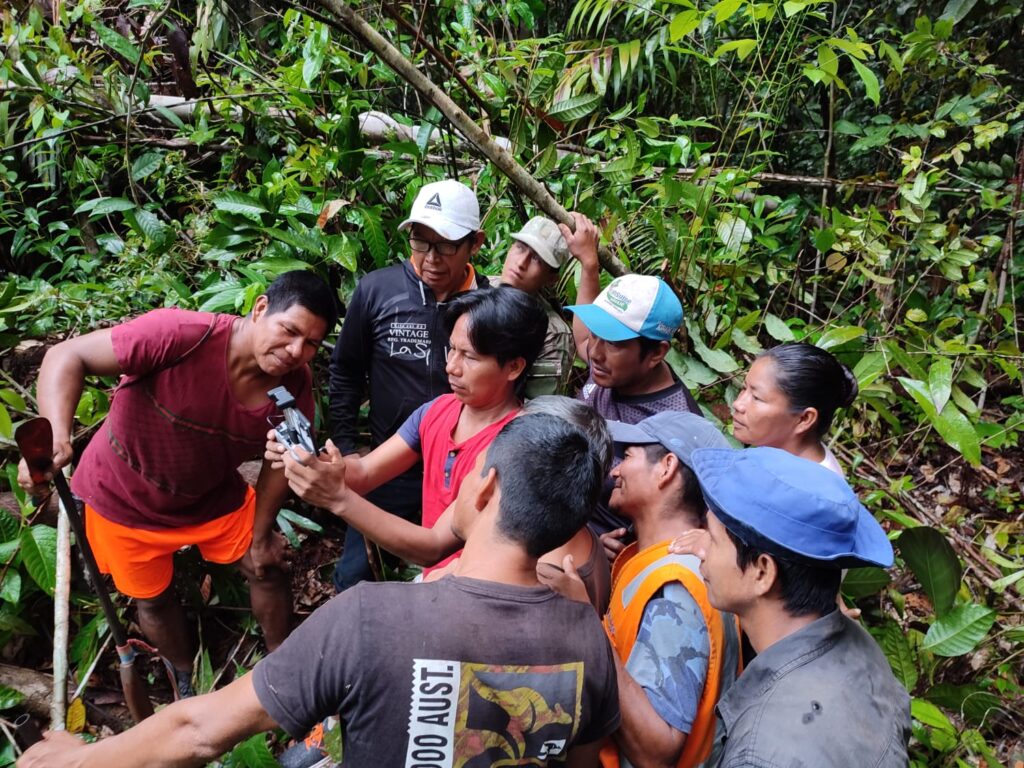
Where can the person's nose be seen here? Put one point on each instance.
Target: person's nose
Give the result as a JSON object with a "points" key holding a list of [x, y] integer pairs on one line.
{"points": [[739, 405], [598, 349]]}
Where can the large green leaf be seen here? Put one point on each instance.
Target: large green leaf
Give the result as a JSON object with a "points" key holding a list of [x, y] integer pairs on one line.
{"points": [[777, 328], [39, 553], [971, 701], [838, 336], [251, 753], [861, 582], [959, 631], [934, 563], [869, 78], [575, 108], [957, 430], [236, 202], [921, 394], [10, 590], [940, 382], [901, 656]]}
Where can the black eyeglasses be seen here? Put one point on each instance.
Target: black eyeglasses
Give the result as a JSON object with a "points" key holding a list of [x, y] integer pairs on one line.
{"points": [[441, 247]]}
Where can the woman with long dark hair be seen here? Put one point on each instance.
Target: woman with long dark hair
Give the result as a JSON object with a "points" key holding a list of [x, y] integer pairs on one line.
{"points": [[789, 398]]}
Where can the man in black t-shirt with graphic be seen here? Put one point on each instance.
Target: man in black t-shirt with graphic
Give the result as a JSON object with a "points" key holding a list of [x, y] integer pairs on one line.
{"points": [[480, 668]]}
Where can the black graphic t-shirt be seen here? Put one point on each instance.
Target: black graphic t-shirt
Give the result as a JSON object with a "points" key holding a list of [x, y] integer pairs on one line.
{"points": [[453, 673]]}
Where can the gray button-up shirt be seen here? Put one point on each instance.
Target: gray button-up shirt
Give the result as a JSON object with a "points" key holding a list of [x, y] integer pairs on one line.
{"points": [[823, 696]]}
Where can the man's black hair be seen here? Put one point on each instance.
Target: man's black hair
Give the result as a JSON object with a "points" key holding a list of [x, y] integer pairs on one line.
{"points": [[305, 289], [690, 497], [503, 323], [806, 589], [810, 377], [648, 346], [550, 479]]}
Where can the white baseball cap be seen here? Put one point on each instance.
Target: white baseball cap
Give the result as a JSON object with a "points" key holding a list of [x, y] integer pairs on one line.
{"points": [[448, 207]]}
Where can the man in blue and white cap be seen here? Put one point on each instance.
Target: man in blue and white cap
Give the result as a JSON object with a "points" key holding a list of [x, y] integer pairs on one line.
{"points": [[820, 691], [392, 343], [623, 334]]}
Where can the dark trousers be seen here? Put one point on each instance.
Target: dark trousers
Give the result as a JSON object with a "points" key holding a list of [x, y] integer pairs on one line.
{"points": [[402, 496]]}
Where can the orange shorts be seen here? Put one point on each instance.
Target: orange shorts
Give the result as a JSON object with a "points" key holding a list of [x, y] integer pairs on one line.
{"points": [[142, 562]]}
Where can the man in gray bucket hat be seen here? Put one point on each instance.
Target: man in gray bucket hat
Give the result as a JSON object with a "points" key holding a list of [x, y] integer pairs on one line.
{"points": [[820, 691], [532, 264]]}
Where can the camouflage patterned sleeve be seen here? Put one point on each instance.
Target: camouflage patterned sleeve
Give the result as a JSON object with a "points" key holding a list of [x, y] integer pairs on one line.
{"points": [[670, 657]]}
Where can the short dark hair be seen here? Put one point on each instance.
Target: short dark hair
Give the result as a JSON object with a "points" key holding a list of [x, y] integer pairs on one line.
{"points": [[581, 416], [648, 346], [811, 377], [691, 497], [806, 589], [550, 479], [305, 289], [504, 323]]}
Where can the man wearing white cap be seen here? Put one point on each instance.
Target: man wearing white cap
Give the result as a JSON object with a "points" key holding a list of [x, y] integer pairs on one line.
{"points": [[820, 691], [532, 264], [393, 343], [623, 333]]}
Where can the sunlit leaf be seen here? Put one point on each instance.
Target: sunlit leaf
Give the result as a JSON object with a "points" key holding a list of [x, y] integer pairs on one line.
{"points": [[958, 431], [960, 630], [835, 337]]}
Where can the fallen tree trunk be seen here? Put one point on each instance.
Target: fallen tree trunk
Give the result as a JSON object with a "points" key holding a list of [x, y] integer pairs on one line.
{"points": [[463, 123], [36, 687]]}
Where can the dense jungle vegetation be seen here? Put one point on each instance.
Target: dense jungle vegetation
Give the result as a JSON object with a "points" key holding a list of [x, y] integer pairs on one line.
{"points": [[846, 173]]}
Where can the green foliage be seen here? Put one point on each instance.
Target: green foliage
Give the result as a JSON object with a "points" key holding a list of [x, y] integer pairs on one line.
{"points": [[843, 174]]}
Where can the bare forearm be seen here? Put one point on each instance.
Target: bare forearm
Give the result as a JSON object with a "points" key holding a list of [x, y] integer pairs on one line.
{"points": [[58, 389], [643, 737], [586, 293], [271, 491], [411, 542]]}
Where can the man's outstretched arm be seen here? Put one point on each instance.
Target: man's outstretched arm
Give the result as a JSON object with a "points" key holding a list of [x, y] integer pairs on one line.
{"points": [[189, 732], [323, 482]]}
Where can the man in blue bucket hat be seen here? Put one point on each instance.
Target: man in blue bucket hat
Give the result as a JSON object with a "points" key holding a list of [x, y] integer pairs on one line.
{"points": [[820, 691]]}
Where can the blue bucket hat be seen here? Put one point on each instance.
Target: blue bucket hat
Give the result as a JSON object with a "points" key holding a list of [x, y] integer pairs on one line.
{"points": [[678, 431], [791, 506], [632, 306]]}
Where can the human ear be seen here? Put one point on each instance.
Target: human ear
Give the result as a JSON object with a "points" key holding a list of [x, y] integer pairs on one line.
{"points": [[766, 574], [477, 242], [515, 368], [485, 490], [259, 307], [658, 355], [668, 469], [806, 420]]}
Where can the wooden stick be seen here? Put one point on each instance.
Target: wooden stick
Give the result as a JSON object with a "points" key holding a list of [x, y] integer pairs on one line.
{"points": [[61, 596], [463, 123]]}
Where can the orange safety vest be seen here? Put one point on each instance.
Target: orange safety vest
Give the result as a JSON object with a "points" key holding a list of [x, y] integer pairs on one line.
{"points": [[636, 578]]}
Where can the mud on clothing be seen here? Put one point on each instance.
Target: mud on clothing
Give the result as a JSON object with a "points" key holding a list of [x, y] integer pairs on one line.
{"points": [[823, 696], [431, 675], [631, 409], [168, 454]]}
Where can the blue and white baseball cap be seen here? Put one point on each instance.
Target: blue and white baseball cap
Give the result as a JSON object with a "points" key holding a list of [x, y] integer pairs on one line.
{"points": [[448, 207], [789, 506], [633, 306]]}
